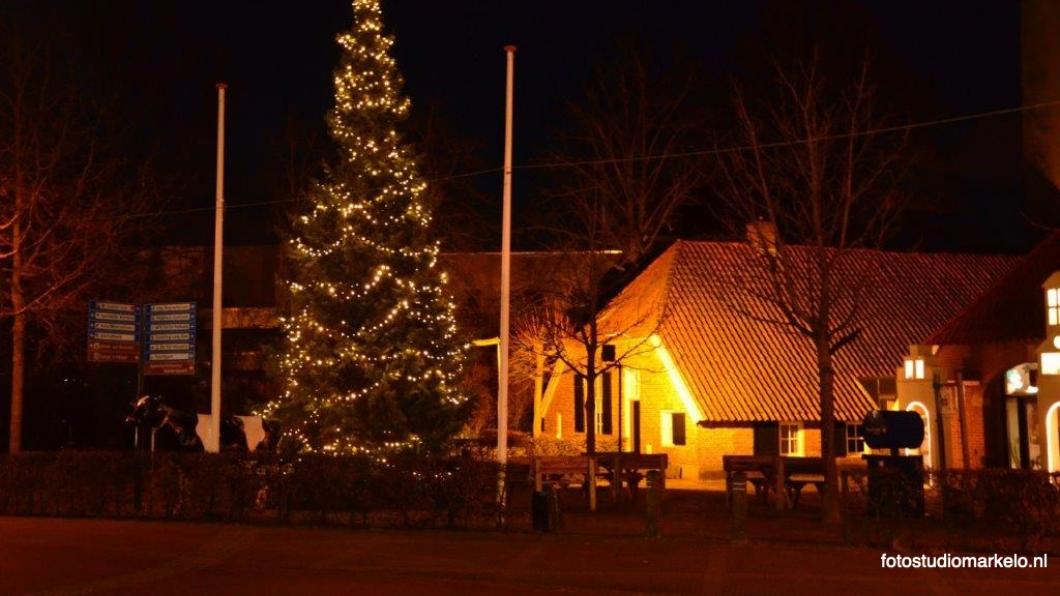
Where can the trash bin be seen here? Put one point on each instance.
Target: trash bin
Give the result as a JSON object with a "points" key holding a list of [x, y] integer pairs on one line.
{"points": [[539, 511]]}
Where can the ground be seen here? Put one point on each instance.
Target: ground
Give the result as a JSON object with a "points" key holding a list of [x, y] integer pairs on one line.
{"points": [[79, 556]]}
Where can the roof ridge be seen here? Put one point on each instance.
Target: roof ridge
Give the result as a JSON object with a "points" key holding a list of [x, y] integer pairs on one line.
{"points": [[676, 248], [864, 249]]}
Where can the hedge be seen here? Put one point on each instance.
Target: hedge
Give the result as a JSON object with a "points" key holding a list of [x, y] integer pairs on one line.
{"points": [[974, 508], [408, 491]]}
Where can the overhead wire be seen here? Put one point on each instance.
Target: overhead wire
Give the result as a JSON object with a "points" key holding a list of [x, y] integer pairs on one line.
{"points": [[668, 155]]}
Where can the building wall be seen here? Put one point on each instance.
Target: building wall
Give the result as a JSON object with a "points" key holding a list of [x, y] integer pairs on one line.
{"points": [[982, 367], [701, 457]]}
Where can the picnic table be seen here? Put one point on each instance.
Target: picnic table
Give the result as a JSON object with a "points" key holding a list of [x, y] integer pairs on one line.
{"points": [[616, 467], [784, 476]]}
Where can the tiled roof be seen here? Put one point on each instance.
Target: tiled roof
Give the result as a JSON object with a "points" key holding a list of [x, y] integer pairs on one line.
{"points": [[1012, 309], [742, 368]]}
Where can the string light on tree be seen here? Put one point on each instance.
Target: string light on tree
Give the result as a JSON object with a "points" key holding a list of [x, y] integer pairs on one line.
{"points": [[372, 359]]}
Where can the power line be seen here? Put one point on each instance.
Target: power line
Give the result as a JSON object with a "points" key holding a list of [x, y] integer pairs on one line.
{"points": [[671, 155]]}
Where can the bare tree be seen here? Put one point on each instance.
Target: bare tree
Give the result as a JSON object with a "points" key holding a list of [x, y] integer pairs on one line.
{"points": [[60, 219], [568, 323], [632, 129], [813, 182]]}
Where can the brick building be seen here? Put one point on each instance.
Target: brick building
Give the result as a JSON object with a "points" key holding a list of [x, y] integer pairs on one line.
{"points": [[996, 365], [703, 376]]}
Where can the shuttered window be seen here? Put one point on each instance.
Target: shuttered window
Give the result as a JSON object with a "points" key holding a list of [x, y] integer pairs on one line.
{"points": [[679, 428], [579, 404]]}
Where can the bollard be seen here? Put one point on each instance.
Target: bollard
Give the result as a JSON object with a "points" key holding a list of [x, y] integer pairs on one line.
{"points": [[739, 507], [844, 508], [651, 504], [555, 517]]}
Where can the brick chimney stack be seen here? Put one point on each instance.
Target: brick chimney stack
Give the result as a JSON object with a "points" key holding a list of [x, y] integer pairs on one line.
{"points": [[762, 235]]}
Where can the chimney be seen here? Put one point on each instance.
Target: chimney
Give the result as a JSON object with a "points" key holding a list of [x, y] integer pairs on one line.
{"points": [[762, 235]]}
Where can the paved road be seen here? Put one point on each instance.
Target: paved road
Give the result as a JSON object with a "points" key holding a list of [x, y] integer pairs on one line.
{"points": [[53, 556]]}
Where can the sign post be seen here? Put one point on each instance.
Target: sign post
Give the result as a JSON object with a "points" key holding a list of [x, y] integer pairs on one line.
{"points": [[113, 333], [169, 338]]}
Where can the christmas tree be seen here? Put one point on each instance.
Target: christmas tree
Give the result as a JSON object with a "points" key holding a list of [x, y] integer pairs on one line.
{"points": [[371, 358]]}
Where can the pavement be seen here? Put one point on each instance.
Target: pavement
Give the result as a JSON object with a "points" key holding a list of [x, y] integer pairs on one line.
{"points": [[81, 556]]}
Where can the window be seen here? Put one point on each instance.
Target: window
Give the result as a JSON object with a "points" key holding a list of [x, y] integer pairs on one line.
{"points": [[914, 368], [602, 415], [855, 437], [579, 404], [1052, 302], [672, 429], [791, 438], [559, 425], [1050, 363], [603, 405]]}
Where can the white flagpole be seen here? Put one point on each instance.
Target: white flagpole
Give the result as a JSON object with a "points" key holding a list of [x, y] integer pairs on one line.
{"points": [[506, 257], [214, 444]]}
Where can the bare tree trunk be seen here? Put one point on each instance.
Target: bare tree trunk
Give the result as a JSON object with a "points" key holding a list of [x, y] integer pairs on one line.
{"points": [[18, 343], [826, 377], [590, 402]]}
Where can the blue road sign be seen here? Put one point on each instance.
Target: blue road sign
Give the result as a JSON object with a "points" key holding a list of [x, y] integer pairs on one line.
{"points": [[169, 338]]}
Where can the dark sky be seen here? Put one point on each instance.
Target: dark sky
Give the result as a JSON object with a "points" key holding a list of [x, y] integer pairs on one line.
{"points": [[160, 60]]}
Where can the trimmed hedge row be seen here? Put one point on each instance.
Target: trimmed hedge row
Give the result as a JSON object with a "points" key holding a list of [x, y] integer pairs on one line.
{"points": [[409, 491], [988, 505]]}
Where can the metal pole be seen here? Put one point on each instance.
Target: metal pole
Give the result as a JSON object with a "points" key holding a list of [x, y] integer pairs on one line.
{"points": [[214, 444], [962, 418], [506, 257]]}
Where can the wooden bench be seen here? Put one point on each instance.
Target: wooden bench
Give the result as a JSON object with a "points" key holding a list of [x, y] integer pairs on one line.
{"points": [[559, 469], [761, 471], [631, 468]]}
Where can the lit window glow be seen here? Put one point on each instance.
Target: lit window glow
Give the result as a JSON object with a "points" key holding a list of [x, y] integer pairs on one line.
{"points": [[791, 439], [914, 368], [1052, 301], [1050, 363], [855, 435]]}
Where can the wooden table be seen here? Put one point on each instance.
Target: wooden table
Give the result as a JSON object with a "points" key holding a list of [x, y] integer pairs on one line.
{"points": [[630, 467]]}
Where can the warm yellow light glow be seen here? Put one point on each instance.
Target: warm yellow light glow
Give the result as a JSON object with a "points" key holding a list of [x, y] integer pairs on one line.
{"points": [[1050, 363], [908, 368], [925, 447], [630, 394], [792, 442], [1052, 449], [675, 378]]}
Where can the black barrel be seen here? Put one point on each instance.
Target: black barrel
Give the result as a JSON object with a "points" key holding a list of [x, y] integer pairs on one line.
{"points": [[890, 429]]}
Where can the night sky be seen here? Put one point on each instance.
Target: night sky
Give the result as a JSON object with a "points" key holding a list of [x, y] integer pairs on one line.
{"points": [[157, 62]]}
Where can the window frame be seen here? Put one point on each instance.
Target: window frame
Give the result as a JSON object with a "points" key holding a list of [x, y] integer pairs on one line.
{"points": [[666, 428], [797, 440], [853, 440], [1052, 307]]}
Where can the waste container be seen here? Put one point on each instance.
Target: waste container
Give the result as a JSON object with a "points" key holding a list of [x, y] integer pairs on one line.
{"points": [[896, 482], [539, 511]]}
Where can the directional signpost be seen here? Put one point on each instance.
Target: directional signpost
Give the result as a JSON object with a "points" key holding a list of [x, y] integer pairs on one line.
{"points": [[169, 338], [113, 332]]}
